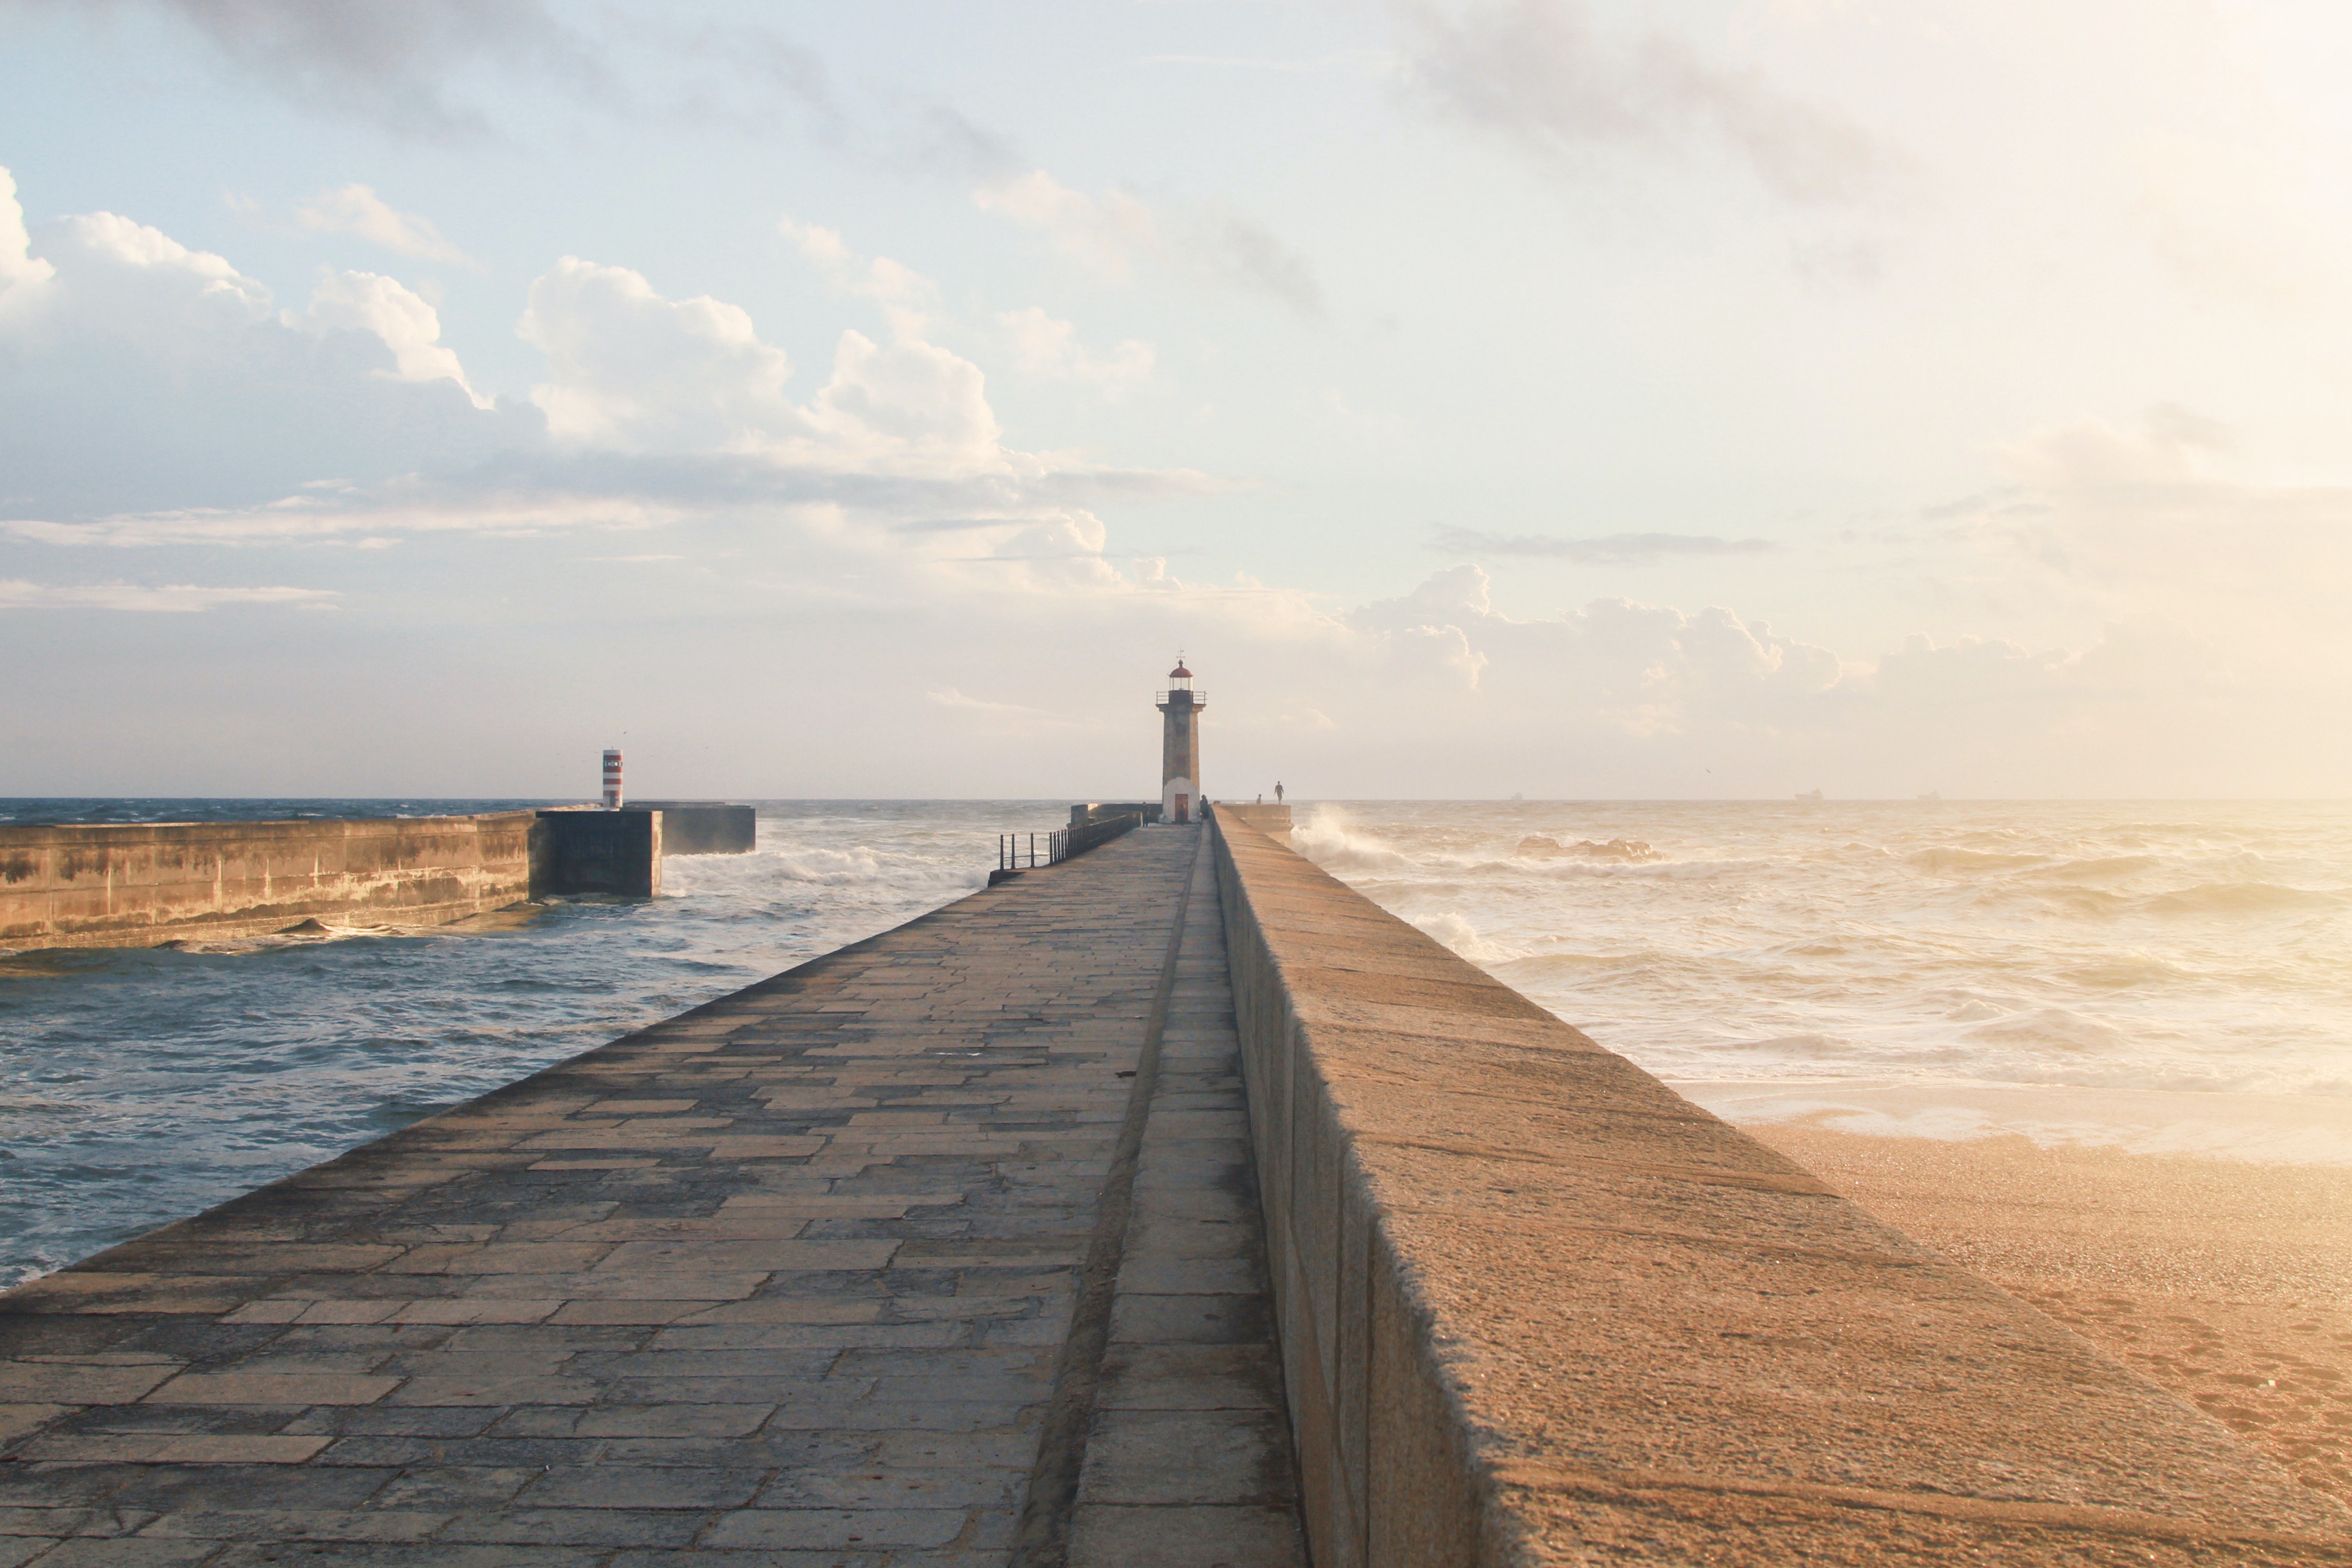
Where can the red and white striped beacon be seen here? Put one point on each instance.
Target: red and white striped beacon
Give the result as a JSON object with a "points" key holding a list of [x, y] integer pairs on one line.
{"points": [[612, 779]]}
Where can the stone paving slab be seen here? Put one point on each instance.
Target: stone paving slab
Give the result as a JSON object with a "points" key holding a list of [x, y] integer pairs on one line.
{"points": [[1188, 1461], [785, 1279]]}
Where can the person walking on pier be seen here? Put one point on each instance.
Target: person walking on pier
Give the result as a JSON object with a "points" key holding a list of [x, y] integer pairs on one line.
{"points": [[1277, 792]]}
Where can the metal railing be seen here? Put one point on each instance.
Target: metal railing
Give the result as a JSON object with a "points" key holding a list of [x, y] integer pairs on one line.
{"points": [[1013, 854], [1163, 699]]}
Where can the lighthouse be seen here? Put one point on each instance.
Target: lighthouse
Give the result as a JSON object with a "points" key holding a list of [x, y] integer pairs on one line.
{"points": [[1180, 747]]}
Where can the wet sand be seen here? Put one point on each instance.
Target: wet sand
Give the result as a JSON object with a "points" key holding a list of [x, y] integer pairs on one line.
{"points": [[2228, 1283]]}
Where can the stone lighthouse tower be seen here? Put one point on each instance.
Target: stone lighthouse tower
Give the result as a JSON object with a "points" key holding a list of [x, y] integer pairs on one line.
{"points": [[1180, 747]]}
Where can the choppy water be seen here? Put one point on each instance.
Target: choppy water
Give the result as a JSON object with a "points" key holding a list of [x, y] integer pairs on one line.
{"points": [[2163, 975], [140, 1085]]}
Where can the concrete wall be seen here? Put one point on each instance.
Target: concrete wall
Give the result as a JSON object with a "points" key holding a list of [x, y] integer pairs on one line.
{"points": [[595, 852], [704, 827], [136, 885], [1274, 821], [1534, 1308], [139, 885]]}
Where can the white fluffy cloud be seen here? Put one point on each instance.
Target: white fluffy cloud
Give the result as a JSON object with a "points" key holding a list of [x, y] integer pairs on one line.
{"points": [[136, 373], [628, 368], [155, 395], [369, 302], [355, 209], [1043, 345]]}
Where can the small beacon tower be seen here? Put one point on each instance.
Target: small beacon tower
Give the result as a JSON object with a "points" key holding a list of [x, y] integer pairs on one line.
{"points": [[1180, 747], [612, 780]]}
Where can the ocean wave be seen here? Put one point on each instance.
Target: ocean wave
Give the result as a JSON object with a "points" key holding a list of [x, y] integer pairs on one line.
{"points": [[2243, 898], [1457, 934], [862, 866], [1536, 846], [1950, 860], [2052, 1029], [1328, 842], [2115, 866]]}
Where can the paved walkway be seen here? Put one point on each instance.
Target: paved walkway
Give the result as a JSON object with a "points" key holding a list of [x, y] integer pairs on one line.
{"points": [[1189, 1459], [826, 1272]]}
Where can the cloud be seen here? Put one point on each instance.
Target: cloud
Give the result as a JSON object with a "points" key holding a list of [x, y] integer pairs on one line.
{"points": [[21, 272], [1536, 74], [1004, 718], [1609, 550], [2107, 521], [177, 599], [627, 367], [403, 322], [1045, 346], [909, 300], [1108, 234], [152, 395], [357, 209], [137, 374], [1245, 253], [386, 60], [1115, 234]]}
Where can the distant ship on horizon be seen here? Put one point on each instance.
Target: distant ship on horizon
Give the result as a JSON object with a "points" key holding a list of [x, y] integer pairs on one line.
{"points": [[1808, 795]]}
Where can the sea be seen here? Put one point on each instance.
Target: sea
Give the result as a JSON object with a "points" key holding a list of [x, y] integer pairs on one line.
{"points": [[2163, 978]]}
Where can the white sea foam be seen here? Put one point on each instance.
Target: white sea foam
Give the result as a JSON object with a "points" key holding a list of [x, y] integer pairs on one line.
{"points": [[2061, 955]]}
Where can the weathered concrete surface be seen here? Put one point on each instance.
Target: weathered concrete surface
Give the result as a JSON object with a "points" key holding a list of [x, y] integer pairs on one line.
{"points": [[784, 1280], [1536, 1309], [705, 827], [617, 852], [136, 886], [1188, 1460], [1274, 821]]}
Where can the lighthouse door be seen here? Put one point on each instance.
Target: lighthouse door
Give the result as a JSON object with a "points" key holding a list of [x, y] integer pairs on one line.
{"points": [[1183, 812]]}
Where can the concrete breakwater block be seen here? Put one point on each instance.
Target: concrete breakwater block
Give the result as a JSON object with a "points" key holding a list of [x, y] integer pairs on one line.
{"points": [[141, 885]]}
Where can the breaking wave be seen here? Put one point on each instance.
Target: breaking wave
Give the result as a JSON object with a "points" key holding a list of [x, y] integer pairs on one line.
{"points": [[2056, 948]]}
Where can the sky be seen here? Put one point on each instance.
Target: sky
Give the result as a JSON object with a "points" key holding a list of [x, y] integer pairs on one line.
{"points": [[1565, 398]]}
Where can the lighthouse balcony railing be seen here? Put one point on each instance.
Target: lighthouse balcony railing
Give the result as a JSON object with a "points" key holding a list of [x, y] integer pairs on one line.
{"points": [[1169, 698]]}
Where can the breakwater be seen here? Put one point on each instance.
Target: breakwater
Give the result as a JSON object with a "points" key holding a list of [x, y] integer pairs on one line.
{"points": [[1535, 1308], [134, 884], [943, 1249]]}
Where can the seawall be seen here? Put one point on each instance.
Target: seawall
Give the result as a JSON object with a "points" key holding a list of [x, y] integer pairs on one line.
{"points": [[1534, 1308], [132, 885], [136, 885]]}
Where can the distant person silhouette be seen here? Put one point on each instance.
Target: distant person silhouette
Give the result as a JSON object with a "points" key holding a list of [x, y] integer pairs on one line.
{"points": [[1278, 791]]}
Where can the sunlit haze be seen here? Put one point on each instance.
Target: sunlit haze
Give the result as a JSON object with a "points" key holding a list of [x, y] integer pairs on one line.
{"points": [[1572, 398]]}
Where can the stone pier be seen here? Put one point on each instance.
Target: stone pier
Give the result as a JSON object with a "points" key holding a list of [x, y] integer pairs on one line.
{"points": [[939, 1251]]}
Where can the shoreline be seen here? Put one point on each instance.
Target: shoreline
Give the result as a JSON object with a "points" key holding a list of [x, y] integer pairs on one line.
{"points": [[2226, 1282]]}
